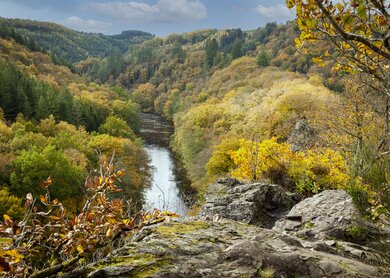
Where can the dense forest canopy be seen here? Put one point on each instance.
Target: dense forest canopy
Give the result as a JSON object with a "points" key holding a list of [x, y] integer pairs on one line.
{"points": [[53, 122]]}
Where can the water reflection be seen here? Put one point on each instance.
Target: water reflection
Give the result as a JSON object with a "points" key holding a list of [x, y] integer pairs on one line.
{"points": [[169, 184]]}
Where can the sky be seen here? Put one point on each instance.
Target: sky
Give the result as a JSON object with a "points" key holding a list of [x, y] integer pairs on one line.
{"points": [[159, 17]]}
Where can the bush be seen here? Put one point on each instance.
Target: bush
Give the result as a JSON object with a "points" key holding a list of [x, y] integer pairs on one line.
{"points": [[370, 183], [30, 167], [10, 205], [221, 162], [306, 172], [51, 241], [314, 171]]}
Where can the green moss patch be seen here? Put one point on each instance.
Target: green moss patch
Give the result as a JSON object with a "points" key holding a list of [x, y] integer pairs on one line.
{"points": [[145, 265], [170, 229]]}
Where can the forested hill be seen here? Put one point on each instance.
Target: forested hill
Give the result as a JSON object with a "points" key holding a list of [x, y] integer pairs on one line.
{"points": [[72, 46], [51, 123], [177, 59]]}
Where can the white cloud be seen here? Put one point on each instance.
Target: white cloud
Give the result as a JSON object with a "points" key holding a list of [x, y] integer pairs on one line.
{"points": [[164, 11], [277, 12], [87, 25]]}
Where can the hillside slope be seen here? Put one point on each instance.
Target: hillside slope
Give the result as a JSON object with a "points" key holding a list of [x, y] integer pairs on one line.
{"points": [[73, 46], [56, 123]]}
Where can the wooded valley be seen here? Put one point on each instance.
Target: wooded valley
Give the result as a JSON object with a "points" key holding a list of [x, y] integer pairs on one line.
{"points": [[304, 105]]}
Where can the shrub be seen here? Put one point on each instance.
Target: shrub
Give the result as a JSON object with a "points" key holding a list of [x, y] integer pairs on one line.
{"points": [[309, 171], [50, 241], [256, 159], [314, 171], [221, 162], [370, 183], [10, 205]]}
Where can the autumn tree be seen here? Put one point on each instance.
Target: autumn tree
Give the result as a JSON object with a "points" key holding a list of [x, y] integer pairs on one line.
{"points": [[305, 172], [30, 167], [221, 162], [10, 205], [358, 31], [358, 34], [145, 95], [128, 111], [116, 127]]}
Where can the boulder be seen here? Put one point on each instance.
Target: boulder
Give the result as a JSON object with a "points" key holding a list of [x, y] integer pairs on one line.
{"points": [[329, 214], [258, 203]]}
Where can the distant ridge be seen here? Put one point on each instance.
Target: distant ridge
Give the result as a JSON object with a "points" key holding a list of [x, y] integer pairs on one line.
{"points": [[74, 46]]}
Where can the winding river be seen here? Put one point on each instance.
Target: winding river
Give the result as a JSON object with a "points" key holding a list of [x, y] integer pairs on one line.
{"points": [[170, 189]]}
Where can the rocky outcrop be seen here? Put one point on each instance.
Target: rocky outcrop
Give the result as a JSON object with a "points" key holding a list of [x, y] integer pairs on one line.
{"points": [[222, 249], [260, 203], [329, 214], [302, 137], [322, 236]]}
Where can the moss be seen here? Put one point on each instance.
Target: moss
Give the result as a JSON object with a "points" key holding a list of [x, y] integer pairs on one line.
{"points": [[5, 240], [358, 234], [241, 232], [136, 259], [267, 273], [169, 229], [153, 269], [355, 231], [344, 266], [146, 265], [308, 225], [300, 236], [314, 260]]}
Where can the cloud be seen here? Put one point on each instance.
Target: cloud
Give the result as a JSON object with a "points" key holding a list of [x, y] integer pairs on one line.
{"points": [[87, 25], [164, 11], [45, 4], [277, 12]]}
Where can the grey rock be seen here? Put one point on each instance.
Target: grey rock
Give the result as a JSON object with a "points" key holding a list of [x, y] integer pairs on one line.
{"points": [[329, 268], [258, 203], [112, 271], [302, 137], [313, 239], [229, 181], [330, 214], [222, 249]]}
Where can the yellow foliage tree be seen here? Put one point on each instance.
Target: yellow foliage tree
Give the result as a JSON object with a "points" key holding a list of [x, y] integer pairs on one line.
{"points": [[221, 162], [255, 159], [310, 171], [10, 205], [357, 30]]}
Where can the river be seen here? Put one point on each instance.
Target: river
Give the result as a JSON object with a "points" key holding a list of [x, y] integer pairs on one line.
{"points": [[170, 190]]}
